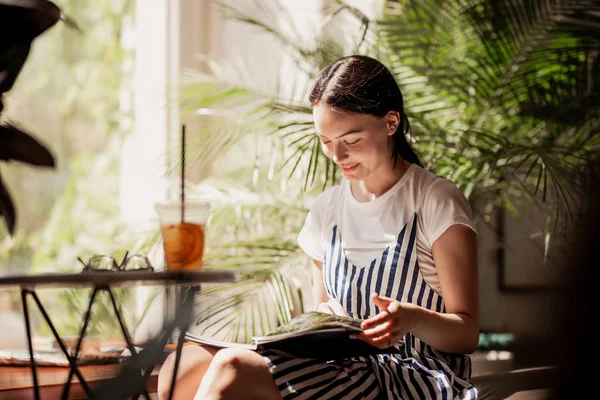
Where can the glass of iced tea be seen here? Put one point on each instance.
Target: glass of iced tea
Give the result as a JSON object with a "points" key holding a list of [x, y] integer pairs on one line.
{"points": [[183, 242]]}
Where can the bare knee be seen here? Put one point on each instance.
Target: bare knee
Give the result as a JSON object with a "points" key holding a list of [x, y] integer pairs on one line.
{"points": [[233, 361], [192, 366], [239, 371]]}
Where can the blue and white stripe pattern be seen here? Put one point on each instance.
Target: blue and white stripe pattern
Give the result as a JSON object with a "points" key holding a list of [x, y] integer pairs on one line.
{"points": [[417, 371]]}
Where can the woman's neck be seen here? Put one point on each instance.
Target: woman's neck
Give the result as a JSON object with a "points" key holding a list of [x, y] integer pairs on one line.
{"points": [[379, 182]]}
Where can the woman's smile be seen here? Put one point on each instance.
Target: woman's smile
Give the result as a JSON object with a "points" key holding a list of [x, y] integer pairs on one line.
{"points": [[347, 168]]}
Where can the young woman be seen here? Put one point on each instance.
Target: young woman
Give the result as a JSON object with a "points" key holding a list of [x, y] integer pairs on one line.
{"points": [[393, 244]]}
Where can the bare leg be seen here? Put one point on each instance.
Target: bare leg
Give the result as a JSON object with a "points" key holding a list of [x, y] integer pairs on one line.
{"points": [[236, 374], [192, 366]]}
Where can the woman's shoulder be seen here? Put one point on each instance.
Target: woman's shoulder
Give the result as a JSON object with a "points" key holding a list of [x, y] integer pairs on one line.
{"points": [[442, 188], [442, 205], [431, 189], [433, 184], [327, 196], [320, 203], [420, 180]]}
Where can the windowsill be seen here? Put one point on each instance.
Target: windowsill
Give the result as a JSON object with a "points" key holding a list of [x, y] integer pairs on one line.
{"points": [[17, 382]]}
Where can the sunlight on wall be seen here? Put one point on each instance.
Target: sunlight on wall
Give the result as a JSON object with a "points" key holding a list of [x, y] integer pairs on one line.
{"points": [[143, 181], [142, 173]]}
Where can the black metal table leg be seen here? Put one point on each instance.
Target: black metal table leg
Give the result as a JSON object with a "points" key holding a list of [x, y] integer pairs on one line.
{"points": [[70, 359], [162, 341], [187, 307], [128, 382], [66, 388], [127, 337], [36, 387]]}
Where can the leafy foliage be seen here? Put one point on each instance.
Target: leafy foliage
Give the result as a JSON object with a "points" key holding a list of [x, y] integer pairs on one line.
{"points": [[20, 24], [519, 80], [70, 93]]}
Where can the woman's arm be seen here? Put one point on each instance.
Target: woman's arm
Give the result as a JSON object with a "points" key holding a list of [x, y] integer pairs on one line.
{"points": [[455, 257], [457, 330], [320, 299], [319, 293]]}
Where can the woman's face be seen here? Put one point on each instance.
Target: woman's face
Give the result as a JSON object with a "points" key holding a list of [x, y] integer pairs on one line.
{"points": [[358, 143]]}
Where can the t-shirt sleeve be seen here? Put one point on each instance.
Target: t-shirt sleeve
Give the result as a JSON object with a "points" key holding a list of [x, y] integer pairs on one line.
{"points": [[309, 238], [444, 205]]}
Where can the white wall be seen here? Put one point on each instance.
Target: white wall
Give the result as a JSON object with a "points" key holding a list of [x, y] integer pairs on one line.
{"points": [[143, 167], [517, 310], [143, 180]]}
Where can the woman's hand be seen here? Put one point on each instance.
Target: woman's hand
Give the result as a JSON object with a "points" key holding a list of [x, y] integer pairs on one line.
{"points": [[333, 306], [390, 325]]}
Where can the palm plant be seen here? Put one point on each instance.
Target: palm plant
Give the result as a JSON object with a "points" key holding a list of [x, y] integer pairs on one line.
{"points": [[502, 96], [20, 23]]}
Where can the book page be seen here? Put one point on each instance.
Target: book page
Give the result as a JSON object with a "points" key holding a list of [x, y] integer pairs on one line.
{"points": [[311, 322], [219, 344]]}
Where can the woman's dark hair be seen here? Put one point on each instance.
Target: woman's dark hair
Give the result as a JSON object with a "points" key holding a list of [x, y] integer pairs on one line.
{"points": [[364, 85]]}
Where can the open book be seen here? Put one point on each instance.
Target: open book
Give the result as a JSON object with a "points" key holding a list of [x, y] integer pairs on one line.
{"points": [[310, 335]]}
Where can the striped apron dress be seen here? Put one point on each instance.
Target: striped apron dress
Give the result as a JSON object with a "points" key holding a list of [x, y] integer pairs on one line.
{"points": [[416, 371]]}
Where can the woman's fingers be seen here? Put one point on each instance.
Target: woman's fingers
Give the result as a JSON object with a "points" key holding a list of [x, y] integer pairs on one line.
{"points": [[382, 341], [384, 298], [333, 306], [378, 330], [381, 301], [394, 307], [381, 338], [387, 327], [336, 307], [324, 308], [376, 320]]}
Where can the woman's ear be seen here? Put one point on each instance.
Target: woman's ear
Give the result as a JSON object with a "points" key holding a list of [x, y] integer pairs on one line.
{"points": [[392, 119]]}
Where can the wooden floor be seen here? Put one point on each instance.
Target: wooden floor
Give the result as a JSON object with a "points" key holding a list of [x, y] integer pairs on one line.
{"points": [[16, 383]]}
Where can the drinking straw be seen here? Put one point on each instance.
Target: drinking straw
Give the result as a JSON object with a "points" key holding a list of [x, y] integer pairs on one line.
{"points": [[182, 173]]}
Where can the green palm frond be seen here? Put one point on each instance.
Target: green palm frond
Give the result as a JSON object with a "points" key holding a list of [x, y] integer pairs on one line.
{"points": [[244, 210], [476, 71], [500, 53], [310, 55], [274, 20], [286, 126], [260, 302]]}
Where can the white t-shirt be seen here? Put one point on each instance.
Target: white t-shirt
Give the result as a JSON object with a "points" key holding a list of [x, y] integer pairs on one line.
{"points": [[366, 229]]}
